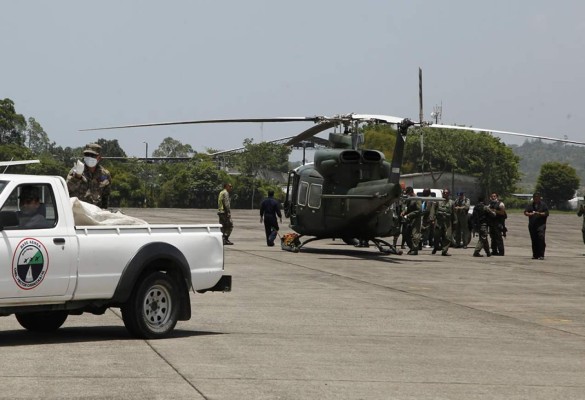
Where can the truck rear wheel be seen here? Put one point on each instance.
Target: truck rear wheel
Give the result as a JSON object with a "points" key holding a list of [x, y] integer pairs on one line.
{"points": [[152, 310], [44, 321]]}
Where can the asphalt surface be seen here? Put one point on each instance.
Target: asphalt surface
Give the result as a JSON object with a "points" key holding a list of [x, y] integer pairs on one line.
{"points": [[335, 322]]}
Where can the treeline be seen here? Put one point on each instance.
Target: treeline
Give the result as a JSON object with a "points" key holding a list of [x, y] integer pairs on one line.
{"points": [[135, 183], [555, 170], [440, 151]]}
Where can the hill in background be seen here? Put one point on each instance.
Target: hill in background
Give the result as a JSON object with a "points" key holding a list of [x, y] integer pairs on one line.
{"points": [[534, 153]]}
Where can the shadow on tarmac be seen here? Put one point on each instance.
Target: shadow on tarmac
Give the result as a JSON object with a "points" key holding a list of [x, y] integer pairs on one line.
{"points": [[341, 251], [22, 337], [336, 253]]}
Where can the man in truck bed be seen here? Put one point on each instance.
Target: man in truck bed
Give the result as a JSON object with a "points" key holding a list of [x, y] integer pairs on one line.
{"points": [[93, 184]]}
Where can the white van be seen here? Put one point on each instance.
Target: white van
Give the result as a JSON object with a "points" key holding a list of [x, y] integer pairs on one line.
{"points": [[434, 192]]}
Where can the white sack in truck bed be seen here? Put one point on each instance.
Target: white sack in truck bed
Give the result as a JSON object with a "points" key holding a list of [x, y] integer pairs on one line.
{"points": [[88, 214]]}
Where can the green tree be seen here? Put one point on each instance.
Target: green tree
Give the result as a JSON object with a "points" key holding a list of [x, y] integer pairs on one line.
{"points": [[466, 152], [111, 148], [66, 155], [208, 180], [15, 152], [381, 138], [534, 153], [173, 148], [37, 139], [557, 183], [437, 153], [48, 166], [195, 183], [12, 124], [258, 156]]}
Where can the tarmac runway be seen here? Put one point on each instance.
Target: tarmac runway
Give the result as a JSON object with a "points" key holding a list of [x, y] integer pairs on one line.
{"points": [[335, 322]]}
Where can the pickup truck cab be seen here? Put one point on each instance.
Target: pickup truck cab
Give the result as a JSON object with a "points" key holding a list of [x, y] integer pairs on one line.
{"points": [[52, 268]]}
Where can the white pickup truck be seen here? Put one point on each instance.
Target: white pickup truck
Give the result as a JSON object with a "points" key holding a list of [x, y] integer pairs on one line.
{"points": [[51, 268]]}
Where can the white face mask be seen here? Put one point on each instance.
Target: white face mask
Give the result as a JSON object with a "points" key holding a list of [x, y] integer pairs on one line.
{"points": [[90, 161]]}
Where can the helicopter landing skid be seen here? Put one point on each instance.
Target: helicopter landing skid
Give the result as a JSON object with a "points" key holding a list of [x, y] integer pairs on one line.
{"points": [[307, 241], [386, 247]]}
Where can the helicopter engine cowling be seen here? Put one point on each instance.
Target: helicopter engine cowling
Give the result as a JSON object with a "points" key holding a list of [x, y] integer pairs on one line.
{"points": [[328, 162]]}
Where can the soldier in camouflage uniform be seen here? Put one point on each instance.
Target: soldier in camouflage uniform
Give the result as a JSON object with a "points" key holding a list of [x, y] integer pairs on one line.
{"points": [[480, 219], [412, 216], [461, 209], [442, 214], [497, 223], [93, 185]]}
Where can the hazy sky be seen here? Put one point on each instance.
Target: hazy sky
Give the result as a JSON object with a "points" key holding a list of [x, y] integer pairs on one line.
{"points": [[501, 64]]}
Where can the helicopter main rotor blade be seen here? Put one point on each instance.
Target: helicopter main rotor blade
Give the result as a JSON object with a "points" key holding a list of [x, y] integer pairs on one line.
{"points": [[312, 131], [467, 128], [208, 121], [238, 149]]}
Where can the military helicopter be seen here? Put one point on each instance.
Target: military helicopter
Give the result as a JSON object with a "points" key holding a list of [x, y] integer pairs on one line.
{"points": [[347, 192]]}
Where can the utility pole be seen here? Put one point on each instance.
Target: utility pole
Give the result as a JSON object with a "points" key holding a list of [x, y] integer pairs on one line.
{"points": [[420, 96], [146, 175], [420, 119]]}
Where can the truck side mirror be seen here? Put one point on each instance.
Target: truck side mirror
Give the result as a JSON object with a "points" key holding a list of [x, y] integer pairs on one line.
{"points": [[8, 218]]}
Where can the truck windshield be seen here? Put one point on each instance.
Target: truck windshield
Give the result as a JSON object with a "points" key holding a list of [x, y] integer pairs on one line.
{"points": [[3, 185]]}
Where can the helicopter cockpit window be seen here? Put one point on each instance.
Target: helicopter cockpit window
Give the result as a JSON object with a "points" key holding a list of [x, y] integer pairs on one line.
{"points": [[315, 195], [303, 191]]}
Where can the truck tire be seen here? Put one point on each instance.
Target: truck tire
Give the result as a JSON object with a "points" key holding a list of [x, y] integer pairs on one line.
{"points": [[152, 310], [44, 321]]}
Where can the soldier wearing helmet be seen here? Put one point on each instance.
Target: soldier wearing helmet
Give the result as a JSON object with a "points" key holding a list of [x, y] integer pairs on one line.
{"points": [[442, 215]]}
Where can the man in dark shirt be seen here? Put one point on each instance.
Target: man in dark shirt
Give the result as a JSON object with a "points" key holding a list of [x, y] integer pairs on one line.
{"points": [[269, 210], [537, 213]]}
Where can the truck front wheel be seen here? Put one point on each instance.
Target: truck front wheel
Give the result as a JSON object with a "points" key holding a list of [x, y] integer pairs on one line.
{"points": [[43, 321], [152, 310]]}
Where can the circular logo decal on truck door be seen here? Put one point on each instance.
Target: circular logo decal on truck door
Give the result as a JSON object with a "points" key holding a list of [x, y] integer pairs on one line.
{"points": [[29, 263]]}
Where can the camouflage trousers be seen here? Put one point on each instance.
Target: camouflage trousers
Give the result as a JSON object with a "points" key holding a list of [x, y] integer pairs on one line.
{"points": [[443, 236], [482, 241], [226, 224]]}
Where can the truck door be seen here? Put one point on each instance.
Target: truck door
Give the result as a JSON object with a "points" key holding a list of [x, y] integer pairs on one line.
{"points": [[38, 251]]}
